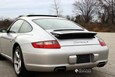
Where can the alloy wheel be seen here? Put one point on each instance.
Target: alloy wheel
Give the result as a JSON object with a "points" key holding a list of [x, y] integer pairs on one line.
{"points": [[17, 61]]}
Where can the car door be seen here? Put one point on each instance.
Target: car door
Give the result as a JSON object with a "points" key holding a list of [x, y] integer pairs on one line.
{"points": [[8, 37]]}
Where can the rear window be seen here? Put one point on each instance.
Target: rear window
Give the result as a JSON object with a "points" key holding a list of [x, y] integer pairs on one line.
{"points": [[56, 24]]}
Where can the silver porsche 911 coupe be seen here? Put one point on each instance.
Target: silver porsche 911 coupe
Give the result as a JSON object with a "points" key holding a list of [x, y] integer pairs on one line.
{"points": [[47, 43]]}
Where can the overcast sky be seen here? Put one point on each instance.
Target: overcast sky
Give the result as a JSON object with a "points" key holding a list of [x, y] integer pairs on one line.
{"points": [[14, 8]]}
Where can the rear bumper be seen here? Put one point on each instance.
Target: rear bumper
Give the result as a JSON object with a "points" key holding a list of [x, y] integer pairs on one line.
{"points": [[46, 60], [51, 68]]}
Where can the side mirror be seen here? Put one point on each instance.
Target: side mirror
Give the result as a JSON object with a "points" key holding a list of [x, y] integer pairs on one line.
{"points": [[3, 30]]}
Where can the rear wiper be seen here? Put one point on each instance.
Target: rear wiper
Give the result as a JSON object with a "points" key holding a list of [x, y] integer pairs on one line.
{"points": [[69, 30]]}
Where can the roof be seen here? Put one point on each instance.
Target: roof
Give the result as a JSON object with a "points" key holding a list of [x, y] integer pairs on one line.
{"points": [[38, 16]]}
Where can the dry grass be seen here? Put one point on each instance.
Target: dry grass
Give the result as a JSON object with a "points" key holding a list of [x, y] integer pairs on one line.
{"points": [[98, 27]]}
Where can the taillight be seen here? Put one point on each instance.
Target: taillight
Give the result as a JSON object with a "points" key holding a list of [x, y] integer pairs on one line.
{"points": [[102, 43], [51, 44]]}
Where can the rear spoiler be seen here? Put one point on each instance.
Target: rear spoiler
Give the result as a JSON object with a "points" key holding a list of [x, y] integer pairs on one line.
{"points": [[73, 35]]}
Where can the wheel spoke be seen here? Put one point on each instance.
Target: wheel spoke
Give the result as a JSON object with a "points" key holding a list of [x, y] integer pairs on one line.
{"points": [[19, 64], [17, 54], [15, 62], [18, 67]]}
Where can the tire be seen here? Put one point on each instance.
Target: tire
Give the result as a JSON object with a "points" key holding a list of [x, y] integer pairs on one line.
{"points": [[18, 63]]}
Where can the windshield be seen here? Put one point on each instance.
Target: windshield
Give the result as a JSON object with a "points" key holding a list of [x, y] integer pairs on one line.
{"points": [[56, 24]]}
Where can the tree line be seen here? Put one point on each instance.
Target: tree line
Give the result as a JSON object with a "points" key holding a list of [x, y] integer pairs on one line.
{"points": [[87, 10], [95, 15], [5, 23]]}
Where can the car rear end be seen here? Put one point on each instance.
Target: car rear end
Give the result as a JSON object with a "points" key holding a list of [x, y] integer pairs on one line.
{"points": [[69, 48]]}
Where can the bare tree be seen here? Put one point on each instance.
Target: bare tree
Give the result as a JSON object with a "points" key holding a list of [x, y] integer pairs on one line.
{"points": [[72, 18], [86, 8], [109, 10], [57, 7], [5, 22]]}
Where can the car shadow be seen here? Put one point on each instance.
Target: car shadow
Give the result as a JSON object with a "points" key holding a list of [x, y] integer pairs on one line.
{"points": [[93, 73], [61, 74], [2, 58]]}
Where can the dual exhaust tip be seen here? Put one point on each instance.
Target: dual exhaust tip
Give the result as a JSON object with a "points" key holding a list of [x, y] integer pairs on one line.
{"points": [[101, 64], [60, 69]]}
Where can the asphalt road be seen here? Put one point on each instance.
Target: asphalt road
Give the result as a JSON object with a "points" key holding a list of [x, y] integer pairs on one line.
{"points": [[6, 69]]}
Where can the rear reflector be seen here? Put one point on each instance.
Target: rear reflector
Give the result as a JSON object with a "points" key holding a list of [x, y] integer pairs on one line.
{"points": [[51, 44], [102, 43]]}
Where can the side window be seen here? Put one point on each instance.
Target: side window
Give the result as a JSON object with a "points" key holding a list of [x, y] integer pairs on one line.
{"points": [[26, 27], [16, 26]]}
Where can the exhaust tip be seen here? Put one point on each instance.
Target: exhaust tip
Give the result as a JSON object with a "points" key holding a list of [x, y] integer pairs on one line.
{"points": [[101, 64], [60, 69]]}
